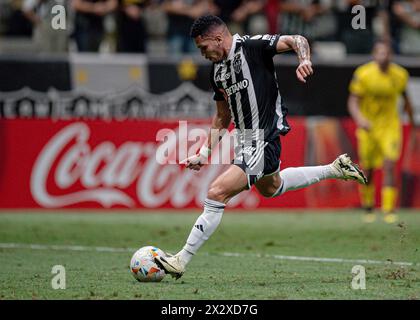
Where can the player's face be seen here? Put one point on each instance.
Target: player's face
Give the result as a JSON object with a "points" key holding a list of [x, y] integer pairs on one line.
{"points": [[210, 48], [382, 54]]}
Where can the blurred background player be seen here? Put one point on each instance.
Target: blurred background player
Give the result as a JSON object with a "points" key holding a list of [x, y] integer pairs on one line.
{"points": [[373, 104]]}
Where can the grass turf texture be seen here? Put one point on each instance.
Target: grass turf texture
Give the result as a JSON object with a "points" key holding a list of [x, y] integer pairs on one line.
{"points": [[26, 273]]}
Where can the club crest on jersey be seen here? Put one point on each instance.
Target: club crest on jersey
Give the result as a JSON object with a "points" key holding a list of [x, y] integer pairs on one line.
{"points": [[237, 63]]}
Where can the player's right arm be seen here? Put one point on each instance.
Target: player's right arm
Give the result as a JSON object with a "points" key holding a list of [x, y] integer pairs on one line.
{"points": [[357, 90], [353, 105], [221, 121]]}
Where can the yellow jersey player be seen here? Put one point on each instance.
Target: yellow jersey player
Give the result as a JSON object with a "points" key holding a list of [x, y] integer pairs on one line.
{"points": [[373, 103]]}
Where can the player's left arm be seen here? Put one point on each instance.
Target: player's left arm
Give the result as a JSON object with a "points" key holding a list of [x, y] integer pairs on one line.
{"points": [[301, 46], [220, 123], [408, 108]]}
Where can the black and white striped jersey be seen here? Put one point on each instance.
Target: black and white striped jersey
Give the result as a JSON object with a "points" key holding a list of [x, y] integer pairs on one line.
{"points": [[246, 79]]}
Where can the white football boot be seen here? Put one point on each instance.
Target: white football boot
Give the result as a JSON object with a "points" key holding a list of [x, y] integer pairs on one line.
{"points": [[348, 170], [172, 265]]}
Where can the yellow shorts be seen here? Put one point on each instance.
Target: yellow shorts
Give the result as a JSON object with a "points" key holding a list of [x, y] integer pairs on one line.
{"points": [[378, 144]]}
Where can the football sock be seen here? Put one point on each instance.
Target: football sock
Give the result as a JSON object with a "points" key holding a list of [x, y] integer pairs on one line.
{"points": [[367, 195], [203, 228], [185, 256], [389, 197], [301, 177]]}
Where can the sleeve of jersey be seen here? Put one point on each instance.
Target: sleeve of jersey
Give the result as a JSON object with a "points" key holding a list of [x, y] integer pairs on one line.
{"points": [[356, 85], [264, 44], [218, 95]]}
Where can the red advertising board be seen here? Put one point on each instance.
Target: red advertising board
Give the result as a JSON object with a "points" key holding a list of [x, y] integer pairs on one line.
{"points": [[117, 164]]}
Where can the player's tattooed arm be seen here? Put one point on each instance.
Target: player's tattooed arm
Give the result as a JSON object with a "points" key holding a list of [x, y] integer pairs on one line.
{"points": [[301, 46], [297, 43]]}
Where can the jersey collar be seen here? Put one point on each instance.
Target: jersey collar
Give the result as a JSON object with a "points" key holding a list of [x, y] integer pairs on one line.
{"points": [[233, 47]]}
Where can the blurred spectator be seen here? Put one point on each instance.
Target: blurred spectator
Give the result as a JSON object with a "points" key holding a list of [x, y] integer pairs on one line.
{"points": [[357, 41], [15, 23], [181, 15], [156, 19], [272, 8], [88, 24], [312, 18], [45, 38], [225, 9], [391, 24], [242, 16], [132, 34], [409, 14]]}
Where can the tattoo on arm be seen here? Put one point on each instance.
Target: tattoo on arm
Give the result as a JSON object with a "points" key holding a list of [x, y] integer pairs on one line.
{"points": [[301, 46]]}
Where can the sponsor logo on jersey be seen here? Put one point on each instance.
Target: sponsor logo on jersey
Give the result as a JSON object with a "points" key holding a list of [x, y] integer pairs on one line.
{"points": [[236, 87]]}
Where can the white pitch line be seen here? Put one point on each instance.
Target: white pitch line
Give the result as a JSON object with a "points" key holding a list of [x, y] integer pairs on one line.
{"points": [[225, 254], [63, 247], [317, 259]]}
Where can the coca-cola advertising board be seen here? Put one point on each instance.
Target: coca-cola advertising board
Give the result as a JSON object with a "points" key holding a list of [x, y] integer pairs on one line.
{"points": [[117, 164], [99, 164]]}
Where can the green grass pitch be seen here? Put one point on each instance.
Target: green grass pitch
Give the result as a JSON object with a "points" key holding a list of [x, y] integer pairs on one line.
{"points": [[248, 257]]}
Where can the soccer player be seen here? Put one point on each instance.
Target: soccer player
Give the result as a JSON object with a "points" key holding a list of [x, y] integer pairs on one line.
{"points": [[373, 103], [245, 89]]}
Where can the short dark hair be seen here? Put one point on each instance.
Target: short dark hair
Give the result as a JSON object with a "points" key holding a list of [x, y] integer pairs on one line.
{"points": [[204, 25]]}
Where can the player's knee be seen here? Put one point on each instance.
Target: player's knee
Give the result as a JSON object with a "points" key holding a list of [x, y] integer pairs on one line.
{"points": [[267, 193], [269, 190], [217, 193]]}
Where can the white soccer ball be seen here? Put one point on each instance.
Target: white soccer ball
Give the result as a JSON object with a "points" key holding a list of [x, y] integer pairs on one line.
{"points": [[143, 266]]}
